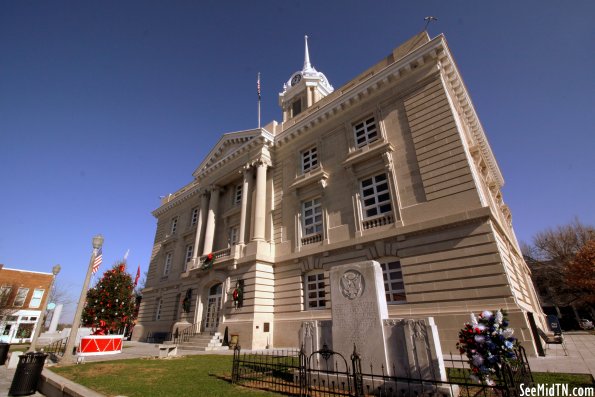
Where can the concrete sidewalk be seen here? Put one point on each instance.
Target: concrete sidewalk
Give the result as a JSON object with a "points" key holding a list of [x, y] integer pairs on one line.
{"points": [[580, 358], [145, 350], [6, 376]]}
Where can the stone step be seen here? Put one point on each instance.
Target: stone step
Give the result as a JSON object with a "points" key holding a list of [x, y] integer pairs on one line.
{"points": [[203, 348], [203, 342], [198, 338]]}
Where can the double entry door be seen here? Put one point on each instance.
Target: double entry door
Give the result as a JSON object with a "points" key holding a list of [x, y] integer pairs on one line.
{"points": [[213, 308]]}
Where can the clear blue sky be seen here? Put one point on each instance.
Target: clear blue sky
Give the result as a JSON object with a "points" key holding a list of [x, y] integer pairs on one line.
{"points": [[105, 106]]}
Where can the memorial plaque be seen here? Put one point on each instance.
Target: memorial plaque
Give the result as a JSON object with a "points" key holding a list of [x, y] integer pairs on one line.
{"points": [[358, 308]]}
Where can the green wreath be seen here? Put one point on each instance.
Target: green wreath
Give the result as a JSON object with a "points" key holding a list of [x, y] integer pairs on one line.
{"points": [[186, 301]]}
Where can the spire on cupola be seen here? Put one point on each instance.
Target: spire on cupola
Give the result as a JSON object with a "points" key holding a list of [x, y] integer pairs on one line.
{"points": [[304, 88], [307, 65]]}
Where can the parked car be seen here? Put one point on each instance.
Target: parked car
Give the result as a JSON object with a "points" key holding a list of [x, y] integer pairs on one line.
{"points": [[585, 324]]}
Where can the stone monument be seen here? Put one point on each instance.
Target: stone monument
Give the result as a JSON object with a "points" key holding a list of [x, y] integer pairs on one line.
{"points": [[358, 308], [398, 347]]}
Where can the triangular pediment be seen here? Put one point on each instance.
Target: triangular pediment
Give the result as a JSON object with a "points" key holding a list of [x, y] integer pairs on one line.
{"points": [[229, 144]]}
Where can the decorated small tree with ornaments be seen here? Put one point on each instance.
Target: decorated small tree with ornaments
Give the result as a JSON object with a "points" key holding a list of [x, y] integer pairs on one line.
{"points": [[110, 303], [488, 343]]}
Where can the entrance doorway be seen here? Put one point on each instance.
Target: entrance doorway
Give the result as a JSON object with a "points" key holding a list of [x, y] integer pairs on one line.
{"points": [[211, 320]]}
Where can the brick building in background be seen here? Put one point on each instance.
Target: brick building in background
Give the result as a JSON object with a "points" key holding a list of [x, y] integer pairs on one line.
{"points": [[23, 294], [394, 167]]}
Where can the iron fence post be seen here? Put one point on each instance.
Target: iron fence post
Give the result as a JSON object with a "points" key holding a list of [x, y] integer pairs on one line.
{"points": [[235, 374], [358, 383], [302, 372]]}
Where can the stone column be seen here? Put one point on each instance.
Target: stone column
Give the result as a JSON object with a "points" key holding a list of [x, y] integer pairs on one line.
{"points": [[204, 202], [260, 207], [246, 191], [211, 219]]}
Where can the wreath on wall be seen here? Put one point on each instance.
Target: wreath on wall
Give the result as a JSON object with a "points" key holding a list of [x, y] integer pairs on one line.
{"points": [[238, 294], [186, 300], [208, 262]]}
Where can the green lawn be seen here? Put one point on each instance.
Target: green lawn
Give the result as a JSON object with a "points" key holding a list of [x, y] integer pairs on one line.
{"points": [[198, 376], [184, 376], [573, 380], [19, 347]]}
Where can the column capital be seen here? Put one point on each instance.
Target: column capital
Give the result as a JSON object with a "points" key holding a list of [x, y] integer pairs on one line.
{"points": [[215, 188], [245, 169], [261, 161]]}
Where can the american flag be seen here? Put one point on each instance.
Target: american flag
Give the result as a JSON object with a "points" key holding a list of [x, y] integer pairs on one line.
{"points": [[258, 86], [137, 276], [97, 261]]}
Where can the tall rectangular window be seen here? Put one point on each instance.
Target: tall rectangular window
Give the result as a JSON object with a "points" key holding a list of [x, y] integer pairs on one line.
{"points": [[194, 216], [309, 159], [233, 235], [188, 256], [158, 309], [393, 282], [19, 299], [237, 195], [311, 217], [315, 297], [5, 295], [375, 196], [167, 263], [174, 225], [36, 298], [365, 132]]}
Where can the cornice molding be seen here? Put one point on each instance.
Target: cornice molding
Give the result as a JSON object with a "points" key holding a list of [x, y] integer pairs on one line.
{"points": [[178, 197], [469, 115]]}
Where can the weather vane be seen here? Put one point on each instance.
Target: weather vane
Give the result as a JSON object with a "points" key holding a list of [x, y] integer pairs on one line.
{"points": [[428, 20]]}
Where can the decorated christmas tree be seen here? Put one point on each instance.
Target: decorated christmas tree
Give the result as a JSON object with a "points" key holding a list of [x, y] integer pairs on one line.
{"points": [[110, 303]]}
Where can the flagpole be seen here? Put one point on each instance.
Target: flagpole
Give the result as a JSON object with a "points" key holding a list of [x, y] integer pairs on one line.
{"points": [[258, 91]]}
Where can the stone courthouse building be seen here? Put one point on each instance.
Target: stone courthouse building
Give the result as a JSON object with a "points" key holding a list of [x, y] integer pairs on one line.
{"points": [[393, 167]]}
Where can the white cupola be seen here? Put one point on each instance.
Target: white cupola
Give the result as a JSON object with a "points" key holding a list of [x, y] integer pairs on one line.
{"points": [[303, 89]]}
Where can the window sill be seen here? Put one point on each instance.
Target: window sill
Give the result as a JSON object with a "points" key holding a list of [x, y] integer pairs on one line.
{"points": [[169, 238], [190, 231], [232, 211], [312, 239], [378, 221], [317, 175], [367, 152]]}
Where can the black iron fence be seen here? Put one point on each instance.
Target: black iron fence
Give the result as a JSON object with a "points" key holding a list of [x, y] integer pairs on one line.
{"points": [[328, 373], [185, 334], [56, 348]]}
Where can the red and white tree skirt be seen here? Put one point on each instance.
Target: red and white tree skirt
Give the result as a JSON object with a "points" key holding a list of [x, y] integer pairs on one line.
{"points": [[97, 345]]}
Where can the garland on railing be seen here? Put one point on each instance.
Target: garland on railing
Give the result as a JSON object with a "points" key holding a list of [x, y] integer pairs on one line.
{"points": [[208, 263]]}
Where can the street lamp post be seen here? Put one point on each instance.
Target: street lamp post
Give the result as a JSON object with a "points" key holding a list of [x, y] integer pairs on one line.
{"points": [[41, 319], [68, 354]]}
